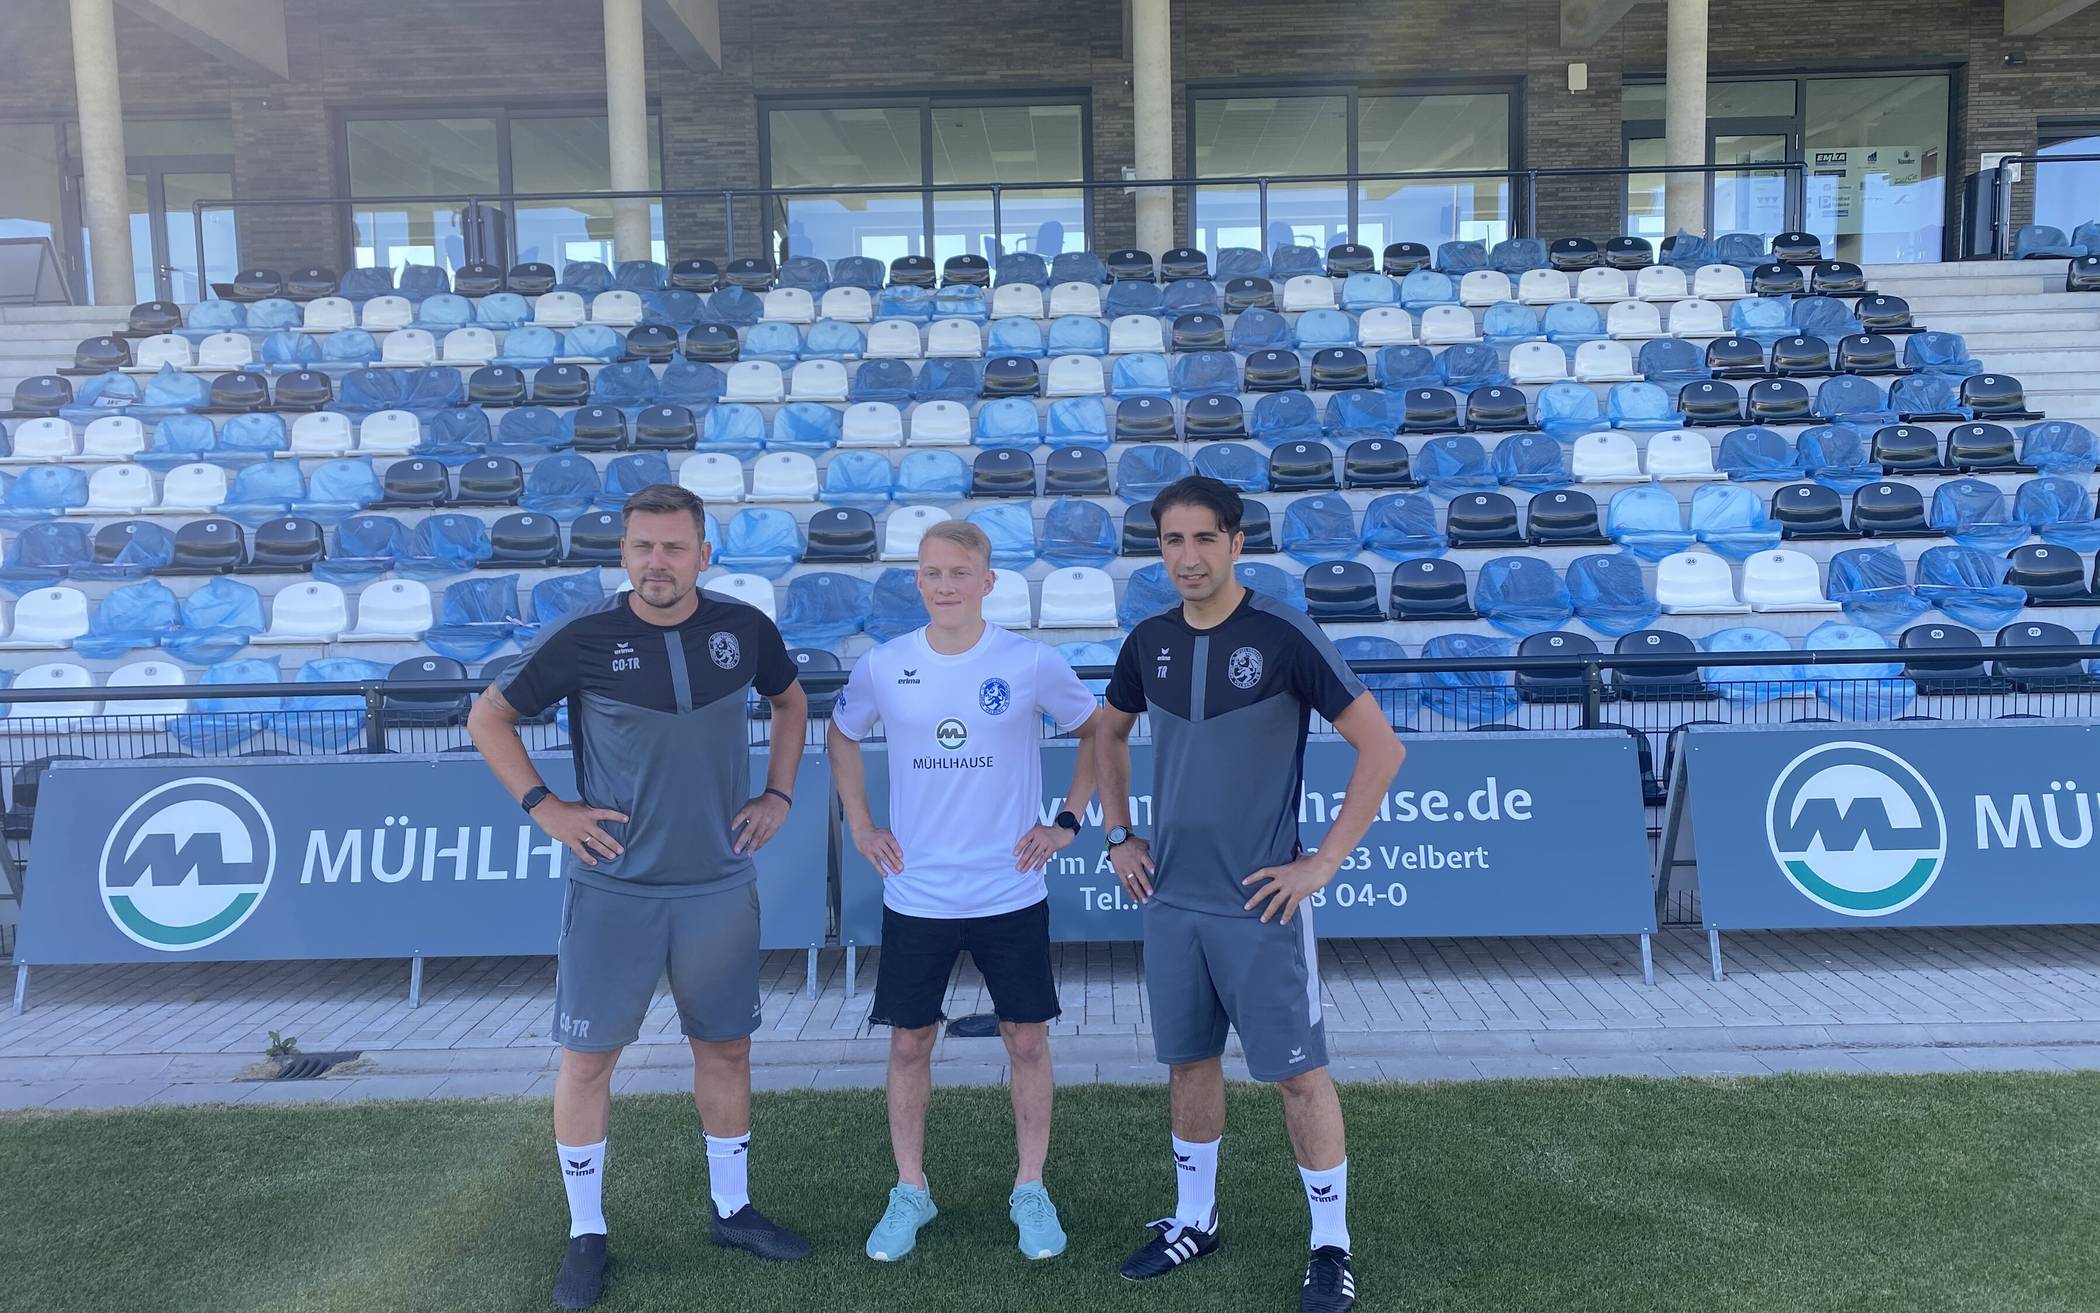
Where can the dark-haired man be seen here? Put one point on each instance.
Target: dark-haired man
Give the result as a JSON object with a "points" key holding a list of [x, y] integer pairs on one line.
{"points": [[661, 877], [1231, 678]]}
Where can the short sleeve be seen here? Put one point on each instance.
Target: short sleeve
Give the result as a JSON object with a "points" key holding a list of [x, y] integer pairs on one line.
{"points": [[545, 675], [1126, 689], [776, 669], [855, 712], [1319, 675], [1058, 692]]}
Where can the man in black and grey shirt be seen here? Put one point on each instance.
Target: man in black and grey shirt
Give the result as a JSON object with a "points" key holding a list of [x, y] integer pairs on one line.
{"points": [[1230, 679], [660, 876]]}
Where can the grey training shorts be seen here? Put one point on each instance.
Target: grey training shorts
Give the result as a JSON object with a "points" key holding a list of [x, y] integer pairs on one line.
{"points": [[615, 947], [1204, 971]]}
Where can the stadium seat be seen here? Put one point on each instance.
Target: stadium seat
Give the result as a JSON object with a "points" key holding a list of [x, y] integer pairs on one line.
{"points": [[48, 618], [2038, 674], [784, 476], [1563, 518], [1890, 510], [1867, 354], [118, 490], [1140, 532], [1781, 580], [759, 381], [523, 540], [1484, 287], [1005, 472], [1955, 663], [1696, 318], [1554, 684], [1402, 258], [1604, 362], [1605, 457], [1987, 448], [1274, 371], [1661, 682], [1542, 287], [1713, 402], [2052, 576], [844, 534], [1996, 397], [1341, 592], [718, 343], [1482, 519], [1446, 325], [192, 488], [750, 589], [1809, 511], [1908, 449], [1376, 463], [1696, 583], [1539, 362], [1429, 589], [1302, 467], [1677, 455], [1798, 354], [712, 477]]}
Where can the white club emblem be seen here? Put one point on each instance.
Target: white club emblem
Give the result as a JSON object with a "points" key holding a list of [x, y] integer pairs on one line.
{"points": [[725, 650], [1244, 668]]}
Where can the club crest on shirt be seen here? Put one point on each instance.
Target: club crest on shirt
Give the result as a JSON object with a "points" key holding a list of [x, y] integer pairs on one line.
{"points": [[994, 697], [725, 650], [1243, 668]]}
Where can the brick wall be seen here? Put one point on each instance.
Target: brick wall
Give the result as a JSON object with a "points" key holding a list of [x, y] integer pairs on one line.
{"points": [[407, 53]]}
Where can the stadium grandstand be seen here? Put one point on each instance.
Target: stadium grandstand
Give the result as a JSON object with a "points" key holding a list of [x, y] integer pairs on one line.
{"points": [[1665, 409]]}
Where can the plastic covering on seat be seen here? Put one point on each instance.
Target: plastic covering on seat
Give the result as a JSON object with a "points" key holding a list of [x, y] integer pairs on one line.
{"points": [[882, 380], [1403, 526], [1647, 521], [134, 616], [1926, 396], [1360, 412], [1507, 322], [1281, 417], [1758, 455], [862, 479], [628, 475], [824, 609], [1823, 316], [1568, 410], [563, 486], [1077, 533], [734, 428], [1142, 472], [1318, 529], [1455, 464], [1763, 319], [2059, 511], [1732, 520], [894, 605], [1609, 593], [1642, 407], [763, 541], [1750, 684], [1461, 257], [1874, 691], [41, 492], [1143, 375], [2056, 446], [1531, 462], [442, 545], [1976, 514], [1076, 422], [1424, 288], [1522, 595], [217, 726], [366, 546], [1969, 586], [1874, 588], [1572, 321], [925, 477], [1838, 456], [2040, 241], [475, 617], [1468, 697], [170, 391], [338, 488], [1467, 366], [1945, 354], [805, 426], [43, 554], [950, 380]]}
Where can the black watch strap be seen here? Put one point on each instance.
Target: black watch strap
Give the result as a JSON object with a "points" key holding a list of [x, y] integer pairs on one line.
{"points": [[782, 796], [534, 796], [1066, 821]]}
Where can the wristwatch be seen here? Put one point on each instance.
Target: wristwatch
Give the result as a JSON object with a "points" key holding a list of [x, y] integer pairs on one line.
{"points": [[534, 796], [1066, 821], [1119, 834]]}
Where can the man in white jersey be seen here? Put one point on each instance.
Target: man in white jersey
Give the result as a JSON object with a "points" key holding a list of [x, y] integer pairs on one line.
{"points": [[961, 703]]}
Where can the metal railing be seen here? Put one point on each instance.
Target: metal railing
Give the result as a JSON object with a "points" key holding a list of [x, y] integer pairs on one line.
{"points": [[2002, 195], [1523, 217]]}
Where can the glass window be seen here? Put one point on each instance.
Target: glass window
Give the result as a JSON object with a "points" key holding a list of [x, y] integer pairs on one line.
{"points": [[1876, 150], [1441, 134], [1257, 136], [447, 157], [2068, 194], [31, 195], [1008, 143], [572, 154], [859, 146], [1644, 191], [1750, 100], [178, 137]]}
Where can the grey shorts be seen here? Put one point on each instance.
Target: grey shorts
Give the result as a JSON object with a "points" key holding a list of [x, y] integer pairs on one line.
{"points": [[1204, 972], [615, 947]]}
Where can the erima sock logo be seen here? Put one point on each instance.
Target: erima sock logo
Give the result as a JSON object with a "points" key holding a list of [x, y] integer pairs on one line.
{"points": [[579, 1167], [1181, 1160], [1323, 1194]]}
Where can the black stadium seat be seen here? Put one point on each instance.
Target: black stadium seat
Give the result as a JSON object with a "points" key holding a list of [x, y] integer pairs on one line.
{"points": [[1735, 357], [1838, 278], [290, 545], [1573, 254], [433, 709], [1075, 472], [99, 355], [1780, 401], [1809, 511], [1890, 510], [2083, 274], [524, 540], [1961, 671], [749, 273], [1183, 262], [1348, 258], [1274, 370], [1868, 353], [478, 279], [496, 385], [1428, 410], [239, 393], [1012, 376], [1629, 253], [311, 283], [665, 428], [1208, 419], [531, 278], [1800, 354], [655, 343], [1554, 683], [1777, 279], [560, 385], [1342, 592], [1669, 682], [152, 318], [44, 395], [1376, 463], [594, 539], [1402, 258], [1249, 293], [1566, 518], [1144, 419], [1884, 314], [966, 270], [2038, 674], [1131, 266], [1908, 449], [842, 535], [912, 271], [304, 390], [257, 285], [1482, 519], [1006, 472], [490, 481], [1140, 532], [1430, 589], [415, 482], [1996, 396], [1340, 367], [2052, 576], [1983, 448], [1197, 332], [1712, 402], [1797, 248], [208, 546], [1497, 409], [598, 428], [714, 344], [1301, 467], [1258, 528]]}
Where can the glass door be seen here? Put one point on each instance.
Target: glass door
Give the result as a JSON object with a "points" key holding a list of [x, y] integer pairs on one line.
{"points": [[1749, 199], [163, 229]]}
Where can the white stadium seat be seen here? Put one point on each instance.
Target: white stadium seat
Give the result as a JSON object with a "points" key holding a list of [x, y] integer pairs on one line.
{"points": [[712, 477], [905, 527], [1017, 301], [306, 613], [784, 476], [1543, 287], [45, 438], [329, 314], [557, 310], [1604, 362], [390, 433], [191, 489], [1719, 282], [1696, 318], [1782, 580], [322, 433], [893, 339], [1385, 325], [1135, 334], [1680, 456], [1634, 321], [391, 611], [1661, 282], [1445, 325], [48, 618], [226, 351], [1009, 604], [408, 346], [1605, 457], [118, 490], [469, 346], [146, 674], [164, 349], [750, 589], [53, 675], [817, 380], [1484, 287], [1074, 376], [1537, 362], [1081, 597], [940, 424], [848, 305], [1075, 299], [384, 314], [1602, 285], [953, 339], [872, 424], [1696, 583], [1308, 292], [620, 308], [754, 381], [789, 305], [112, 437]]}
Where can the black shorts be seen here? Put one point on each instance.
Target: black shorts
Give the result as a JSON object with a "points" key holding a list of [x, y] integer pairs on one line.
{"points": [[1011, 950]]}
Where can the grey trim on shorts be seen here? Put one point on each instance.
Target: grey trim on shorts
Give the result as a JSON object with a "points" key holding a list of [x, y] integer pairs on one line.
{"points": [[616, 946]]}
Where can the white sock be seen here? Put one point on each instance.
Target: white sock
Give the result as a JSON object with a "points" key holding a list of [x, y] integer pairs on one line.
{"points": [[1327, 1196], [1196, 1184], [727, 1175], [583, 1176]]}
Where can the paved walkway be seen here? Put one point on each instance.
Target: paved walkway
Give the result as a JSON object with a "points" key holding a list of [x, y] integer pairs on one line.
{"points": [[1891, 1000]]}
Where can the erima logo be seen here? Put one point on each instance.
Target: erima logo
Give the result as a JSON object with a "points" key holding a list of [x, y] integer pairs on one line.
{"points": [[1183, 1159], [1856, 829], [951, 734], [1297, 1055], [185, 865], [578, 1167], [1323, 1194], [909, 677], [1165, 655]]}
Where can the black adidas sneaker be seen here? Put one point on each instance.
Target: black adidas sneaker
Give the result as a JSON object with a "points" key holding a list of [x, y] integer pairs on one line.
{"points": [[1330, 1283], [1172, 1244], [582, 1277]]}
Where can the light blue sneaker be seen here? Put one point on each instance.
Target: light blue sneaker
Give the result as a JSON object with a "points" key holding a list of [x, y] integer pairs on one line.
{"points": [[911, 1207], [1030, 1208]]}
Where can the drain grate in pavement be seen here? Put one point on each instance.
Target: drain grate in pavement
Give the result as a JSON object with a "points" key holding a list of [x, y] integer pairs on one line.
{"points": [[312, 1066]]}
